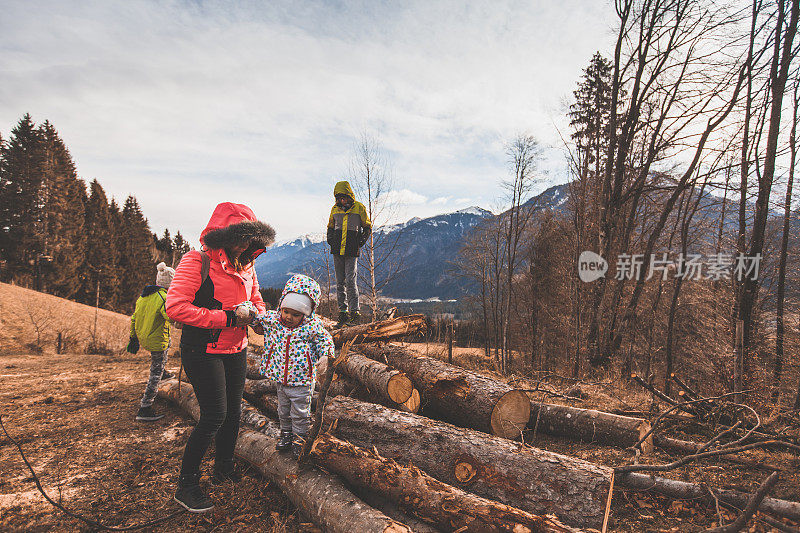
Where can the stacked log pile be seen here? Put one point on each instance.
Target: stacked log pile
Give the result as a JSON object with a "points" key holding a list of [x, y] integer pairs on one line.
{"points": [[321, 497], [467, 399], [457, 468]]}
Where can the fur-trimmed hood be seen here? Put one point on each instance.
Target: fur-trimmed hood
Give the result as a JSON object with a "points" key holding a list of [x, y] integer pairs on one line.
{"points": [[231, 224]]}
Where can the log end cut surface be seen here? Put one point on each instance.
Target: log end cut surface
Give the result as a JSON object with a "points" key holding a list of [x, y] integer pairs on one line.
{"points": [[511, 414], [413, 403], [400, 388]]}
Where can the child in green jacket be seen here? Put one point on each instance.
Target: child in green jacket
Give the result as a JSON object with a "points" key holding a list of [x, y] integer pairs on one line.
{"points": [[150, 329]]}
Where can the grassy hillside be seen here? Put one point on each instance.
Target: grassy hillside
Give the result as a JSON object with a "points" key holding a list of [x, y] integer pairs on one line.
{"points": [[31, 321]]}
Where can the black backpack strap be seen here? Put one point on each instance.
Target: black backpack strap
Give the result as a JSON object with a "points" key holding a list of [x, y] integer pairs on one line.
{"points": [[205, 266], [163, 300]]}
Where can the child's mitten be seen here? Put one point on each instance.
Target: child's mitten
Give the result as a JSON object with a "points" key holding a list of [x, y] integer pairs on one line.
{"points": [[246, 311], [133, 345]]}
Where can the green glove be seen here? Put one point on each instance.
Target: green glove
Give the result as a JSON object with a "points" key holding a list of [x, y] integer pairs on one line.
{"points": [[133, 345]]}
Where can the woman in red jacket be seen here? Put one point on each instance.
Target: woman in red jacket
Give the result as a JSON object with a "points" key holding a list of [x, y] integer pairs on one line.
{"points": [[202, 296]]}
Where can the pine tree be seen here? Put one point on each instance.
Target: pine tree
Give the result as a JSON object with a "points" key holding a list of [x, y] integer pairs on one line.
{"points": [[136, 265], [181, 246], [23, 207], [589, 118], [63, 197], [164, 247], [99, 269], [590, 112]]}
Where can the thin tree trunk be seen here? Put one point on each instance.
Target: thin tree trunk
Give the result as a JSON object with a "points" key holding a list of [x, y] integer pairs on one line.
{"points": [[787, 209], [779, 72]]}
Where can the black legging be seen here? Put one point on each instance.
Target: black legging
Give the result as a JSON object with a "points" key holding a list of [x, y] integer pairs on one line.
{"points": [[218, 382]]}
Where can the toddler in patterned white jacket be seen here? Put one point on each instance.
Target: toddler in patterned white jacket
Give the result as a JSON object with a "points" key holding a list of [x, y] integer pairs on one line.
{"points": [[294, 341]]}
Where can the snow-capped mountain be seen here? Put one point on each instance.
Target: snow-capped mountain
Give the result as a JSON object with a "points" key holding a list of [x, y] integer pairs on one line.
{"points": [[426, 247], [423, 246]]}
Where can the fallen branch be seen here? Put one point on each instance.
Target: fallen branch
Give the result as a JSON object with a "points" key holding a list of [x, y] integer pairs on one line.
{"points": [[682, 490], [680, 383], [752, 506], [689, 447], [323, 394], [661, 396]]}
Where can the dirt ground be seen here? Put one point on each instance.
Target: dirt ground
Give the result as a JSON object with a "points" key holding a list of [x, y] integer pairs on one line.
{"points": [[74, 417]]}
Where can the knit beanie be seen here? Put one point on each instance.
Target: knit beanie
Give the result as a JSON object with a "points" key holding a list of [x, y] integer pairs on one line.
{"points": [[298, 302], [164, 275]]}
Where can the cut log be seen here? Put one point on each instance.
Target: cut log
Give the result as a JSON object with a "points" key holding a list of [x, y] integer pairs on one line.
{"points": [[465, 398], [681, 490], [392, 510], [589, 425], [533, 480], [391, 384], [258, 387], [413, 404], [253, 364], [448, 507], [380, 331], [321, 497], [344, 386]]}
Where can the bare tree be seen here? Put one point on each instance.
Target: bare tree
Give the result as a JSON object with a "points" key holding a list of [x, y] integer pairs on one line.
{"points": [[677, 96], [474, 263], [782, 55], [373, 180], [522, 153], [787, 211]]}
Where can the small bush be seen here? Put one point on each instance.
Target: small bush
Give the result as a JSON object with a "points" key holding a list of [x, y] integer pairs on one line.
{"points": [[97, 347], [34, 347]]}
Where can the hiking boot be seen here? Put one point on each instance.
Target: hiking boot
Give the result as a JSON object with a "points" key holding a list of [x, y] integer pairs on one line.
{"points": [[355, 318], [297, 446], [225, 471], [285, 441], [146, 414], [167, 375], [343, 318], [191, 496]]}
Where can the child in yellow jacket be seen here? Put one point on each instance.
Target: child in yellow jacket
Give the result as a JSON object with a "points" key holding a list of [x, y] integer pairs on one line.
{"points": [[150, 330]]}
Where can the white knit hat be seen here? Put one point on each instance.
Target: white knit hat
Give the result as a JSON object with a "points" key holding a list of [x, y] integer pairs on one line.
{"points": [[164, 275], [298, 302]]}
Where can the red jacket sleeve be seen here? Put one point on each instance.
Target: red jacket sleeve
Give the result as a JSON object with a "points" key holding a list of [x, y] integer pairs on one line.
{"points": [[181, 294], [255, 296]]}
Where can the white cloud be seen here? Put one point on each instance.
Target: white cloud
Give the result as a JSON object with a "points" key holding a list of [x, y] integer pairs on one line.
{"points": [[404, 197], [188, 103]]}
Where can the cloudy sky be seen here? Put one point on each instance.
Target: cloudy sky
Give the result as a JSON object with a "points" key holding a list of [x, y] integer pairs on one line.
{"points": [[188, 103]]}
